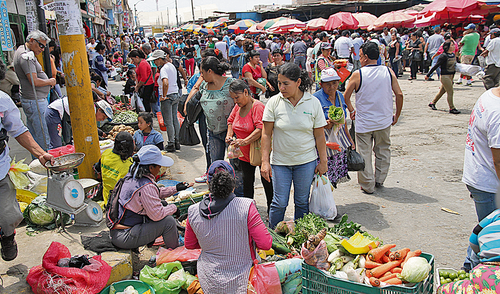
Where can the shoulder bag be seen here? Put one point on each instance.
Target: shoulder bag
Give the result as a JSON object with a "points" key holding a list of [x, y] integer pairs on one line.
{"points": [[255, 151]]}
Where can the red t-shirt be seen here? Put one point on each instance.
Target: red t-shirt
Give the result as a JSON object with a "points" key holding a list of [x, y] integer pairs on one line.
{"points": [[143, 71], [256, 73], [244, 126]]}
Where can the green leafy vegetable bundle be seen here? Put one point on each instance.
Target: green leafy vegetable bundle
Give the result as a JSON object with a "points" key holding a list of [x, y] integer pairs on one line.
{"points": [[336, 114]]}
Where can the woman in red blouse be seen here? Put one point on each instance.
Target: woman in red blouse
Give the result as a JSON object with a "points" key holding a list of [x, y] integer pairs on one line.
{"points": [[245, 122], [252, 71], [145, 78]]}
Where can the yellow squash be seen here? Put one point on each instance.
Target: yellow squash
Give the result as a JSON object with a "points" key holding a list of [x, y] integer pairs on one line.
{"points": [[358, 244]]}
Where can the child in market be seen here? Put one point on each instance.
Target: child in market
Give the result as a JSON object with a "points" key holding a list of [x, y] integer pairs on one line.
{"points": [[146, 135]]}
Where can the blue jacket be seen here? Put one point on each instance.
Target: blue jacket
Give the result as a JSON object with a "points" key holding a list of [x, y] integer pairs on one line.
{"points": [[152, 139]]}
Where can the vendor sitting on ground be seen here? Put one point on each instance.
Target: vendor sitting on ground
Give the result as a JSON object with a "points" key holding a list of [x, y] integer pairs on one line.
{"points": [[226, 228], [146, 135], [59, 122], [115, 163], [142, 216], [485, 261]]}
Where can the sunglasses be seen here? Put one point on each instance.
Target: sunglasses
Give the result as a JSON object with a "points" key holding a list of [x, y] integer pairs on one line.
{"points": [[40, 44]]}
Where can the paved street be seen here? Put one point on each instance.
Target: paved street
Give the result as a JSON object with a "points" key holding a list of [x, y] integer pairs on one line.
{"points": [[425, 175]]}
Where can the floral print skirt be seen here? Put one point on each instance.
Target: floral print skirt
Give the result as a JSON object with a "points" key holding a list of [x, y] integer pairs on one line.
{"points": [[484, 279], [337, 168]]}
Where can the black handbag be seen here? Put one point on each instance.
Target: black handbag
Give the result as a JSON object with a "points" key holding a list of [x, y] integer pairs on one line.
{"points": [[187, 133], [355, 162]]}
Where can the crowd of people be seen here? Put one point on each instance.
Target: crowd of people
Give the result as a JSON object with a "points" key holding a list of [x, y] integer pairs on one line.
{"points": [[226, 76]]}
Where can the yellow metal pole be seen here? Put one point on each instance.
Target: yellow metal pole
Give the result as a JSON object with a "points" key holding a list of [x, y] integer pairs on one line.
{"points": [[76, 69]]}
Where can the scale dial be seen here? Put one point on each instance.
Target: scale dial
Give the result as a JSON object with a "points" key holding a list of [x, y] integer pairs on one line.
{"points": [[73, 194], [94, 211]]}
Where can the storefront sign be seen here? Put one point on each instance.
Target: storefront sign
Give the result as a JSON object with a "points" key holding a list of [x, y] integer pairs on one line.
{"points": [[5, 33], [90, 8]]}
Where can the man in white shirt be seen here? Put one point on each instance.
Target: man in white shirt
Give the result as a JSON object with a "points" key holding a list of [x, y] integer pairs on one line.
{"points": [[432, 46], [222, 46], [492, 54], [374, 85], [91, 48], [386, 35], [343, 46]]}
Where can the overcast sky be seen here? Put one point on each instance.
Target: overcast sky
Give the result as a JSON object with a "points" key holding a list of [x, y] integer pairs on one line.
{"points": [[223, 5]]}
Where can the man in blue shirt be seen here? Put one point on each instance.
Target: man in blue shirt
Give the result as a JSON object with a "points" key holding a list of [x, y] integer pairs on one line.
{"points": [[227, 40], [10, 213], [235, 52]]}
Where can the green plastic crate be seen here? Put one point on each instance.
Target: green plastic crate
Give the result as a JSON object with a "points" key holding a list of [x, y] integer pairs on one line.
{"points": [[183, 205], [314, 281]]}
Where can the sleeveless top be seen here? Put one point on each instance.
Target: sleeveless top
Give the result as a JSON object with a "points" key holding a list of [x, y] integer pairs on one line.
{"points": [[374, 103], [225, 261]]}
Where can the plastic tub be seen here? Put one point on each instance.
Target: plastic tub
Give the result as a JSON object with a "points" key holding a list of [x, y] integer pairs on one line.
{"points": [[120, 286]]}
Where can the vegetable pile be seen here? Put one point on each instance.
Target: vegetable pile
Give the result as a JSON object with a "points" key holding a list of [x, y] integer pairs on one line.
{"points": [[119, 107], [450, 275], [120, 128], [125, 117]]}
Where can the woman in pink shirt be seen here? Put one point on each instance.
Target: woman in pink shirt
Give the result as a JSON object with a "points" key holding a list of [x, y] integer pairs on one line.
{"points": [[245, 123], [142, 215], [227, 229]]}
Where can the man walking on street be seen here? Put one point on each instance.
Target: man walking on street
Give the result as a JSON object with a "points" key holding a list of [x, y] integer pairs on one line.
{"points": [[374, 85], [468, 44], [492, 54], [431, 47], [35, 85], [235, 53], [299, 50]]}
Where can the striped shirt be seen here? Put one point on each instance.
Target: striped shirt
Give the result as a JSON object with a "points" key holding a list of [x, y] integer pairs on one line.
{"points": [[485, 238]]}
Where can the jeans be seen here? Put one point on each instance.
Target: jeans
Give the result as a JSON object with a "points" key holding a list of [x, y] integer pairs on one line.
{"points": [[36, 123], [283, 176], [54, 124], [248, 179], [394, 66], [125, 54], [202, 125], [235, 74], [217, 145], [438, 70], [300, 61], [471, 260], [484, 202], [169, 113], [413, 68]]}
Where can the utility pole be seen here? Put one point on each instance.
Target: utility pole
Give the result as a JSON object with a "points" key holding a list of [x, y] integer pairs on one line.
{"points": [[135, 13], [192, 10], [176, 13], [76, 67], [168, 18]]}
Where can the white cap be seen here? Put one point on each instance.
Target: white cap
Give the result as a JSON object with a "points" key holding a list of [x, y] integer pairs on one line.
{"points": [[239, 38], [329, 74], [156, 55]]}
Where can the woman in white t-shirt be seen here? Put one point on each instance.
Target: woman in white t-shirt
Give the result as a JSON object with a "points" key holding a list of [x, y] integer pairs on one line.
{"points": [[168, 92], [295, 121]]}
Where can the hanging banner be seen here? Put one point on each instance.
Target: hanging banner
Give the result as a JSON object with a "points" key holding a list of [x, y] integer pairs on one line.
{"points": [[5, 32], [69, 17]]}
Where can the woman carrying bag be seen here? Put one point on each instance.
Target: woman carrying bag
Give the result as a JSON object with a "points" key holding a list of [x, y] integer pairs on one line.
{"points": [[145, 80], [245, 122]]}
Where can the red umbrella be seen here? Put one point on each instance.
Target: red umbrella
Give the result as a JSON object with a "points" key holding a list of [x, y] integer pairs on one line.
{"points": [[394, 19], [287, 24], [342, 21], [365, 19], [316, 24], [443, 8]]}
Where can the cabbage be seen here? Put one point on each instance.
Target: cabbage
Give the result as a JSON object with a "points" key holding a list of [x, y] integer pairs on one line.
{"points": [[41, 215], [415, 270]]}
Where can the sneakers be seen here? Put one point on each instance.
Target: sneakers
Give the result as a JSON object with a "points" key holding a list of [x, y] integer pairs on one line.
{"points": [[468, 85], [458, 83], [432, 106], [9, 247], [430, 79], [202, 179], [454, 111]]}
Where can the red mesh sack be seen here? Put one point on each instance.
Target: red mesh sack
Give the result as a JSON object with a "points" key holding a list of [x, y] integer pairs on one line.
{"points": [[50, 278]]}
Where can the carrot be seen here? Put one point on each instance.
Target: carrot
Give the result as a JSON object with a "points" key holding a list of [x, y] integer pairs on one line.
{"points": [[410, 255], [400, 254], [381, 270], [385, 259], [394, 281], [396, 270], [388, 277], [376, 254], [371, 264], [368, 273], [374, 282], [386, 274]]}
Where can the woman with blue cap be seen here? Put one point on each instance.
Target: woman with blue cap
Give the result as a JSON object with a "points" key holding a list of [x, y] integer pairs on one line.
{"points": [[227, 229], [142, 216]]}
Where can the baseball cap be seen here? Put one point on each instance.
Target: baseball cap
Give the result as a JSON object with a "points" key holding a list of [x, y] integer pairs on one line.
{"points": [[239, 38], [156, 55], [131, 65], [217, 166], [495, 30], [329, 74], [150, 154], [470, 26], [106, 108], [326, 45]]}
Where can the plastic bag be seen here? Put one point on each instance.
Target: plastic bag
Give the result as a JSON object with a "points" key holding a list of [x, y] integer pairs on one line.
{"points": [[318, 257], [16, 173], [50, 278], [355, 162], [467, 69], [322, 202], [178, 254], [265, 279], [157, 278], [136, 102], [234, 152], [285, 227], [290, 273]]}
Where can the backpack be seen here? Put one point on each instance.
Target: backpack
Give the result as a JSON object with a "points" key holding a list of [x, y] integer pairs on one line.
{"points": [[112, 209]]}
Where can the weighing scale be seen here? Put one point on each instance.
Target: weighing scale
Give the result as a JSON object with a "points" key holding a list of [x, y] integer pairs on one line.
{"points": [[65, 194]]}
